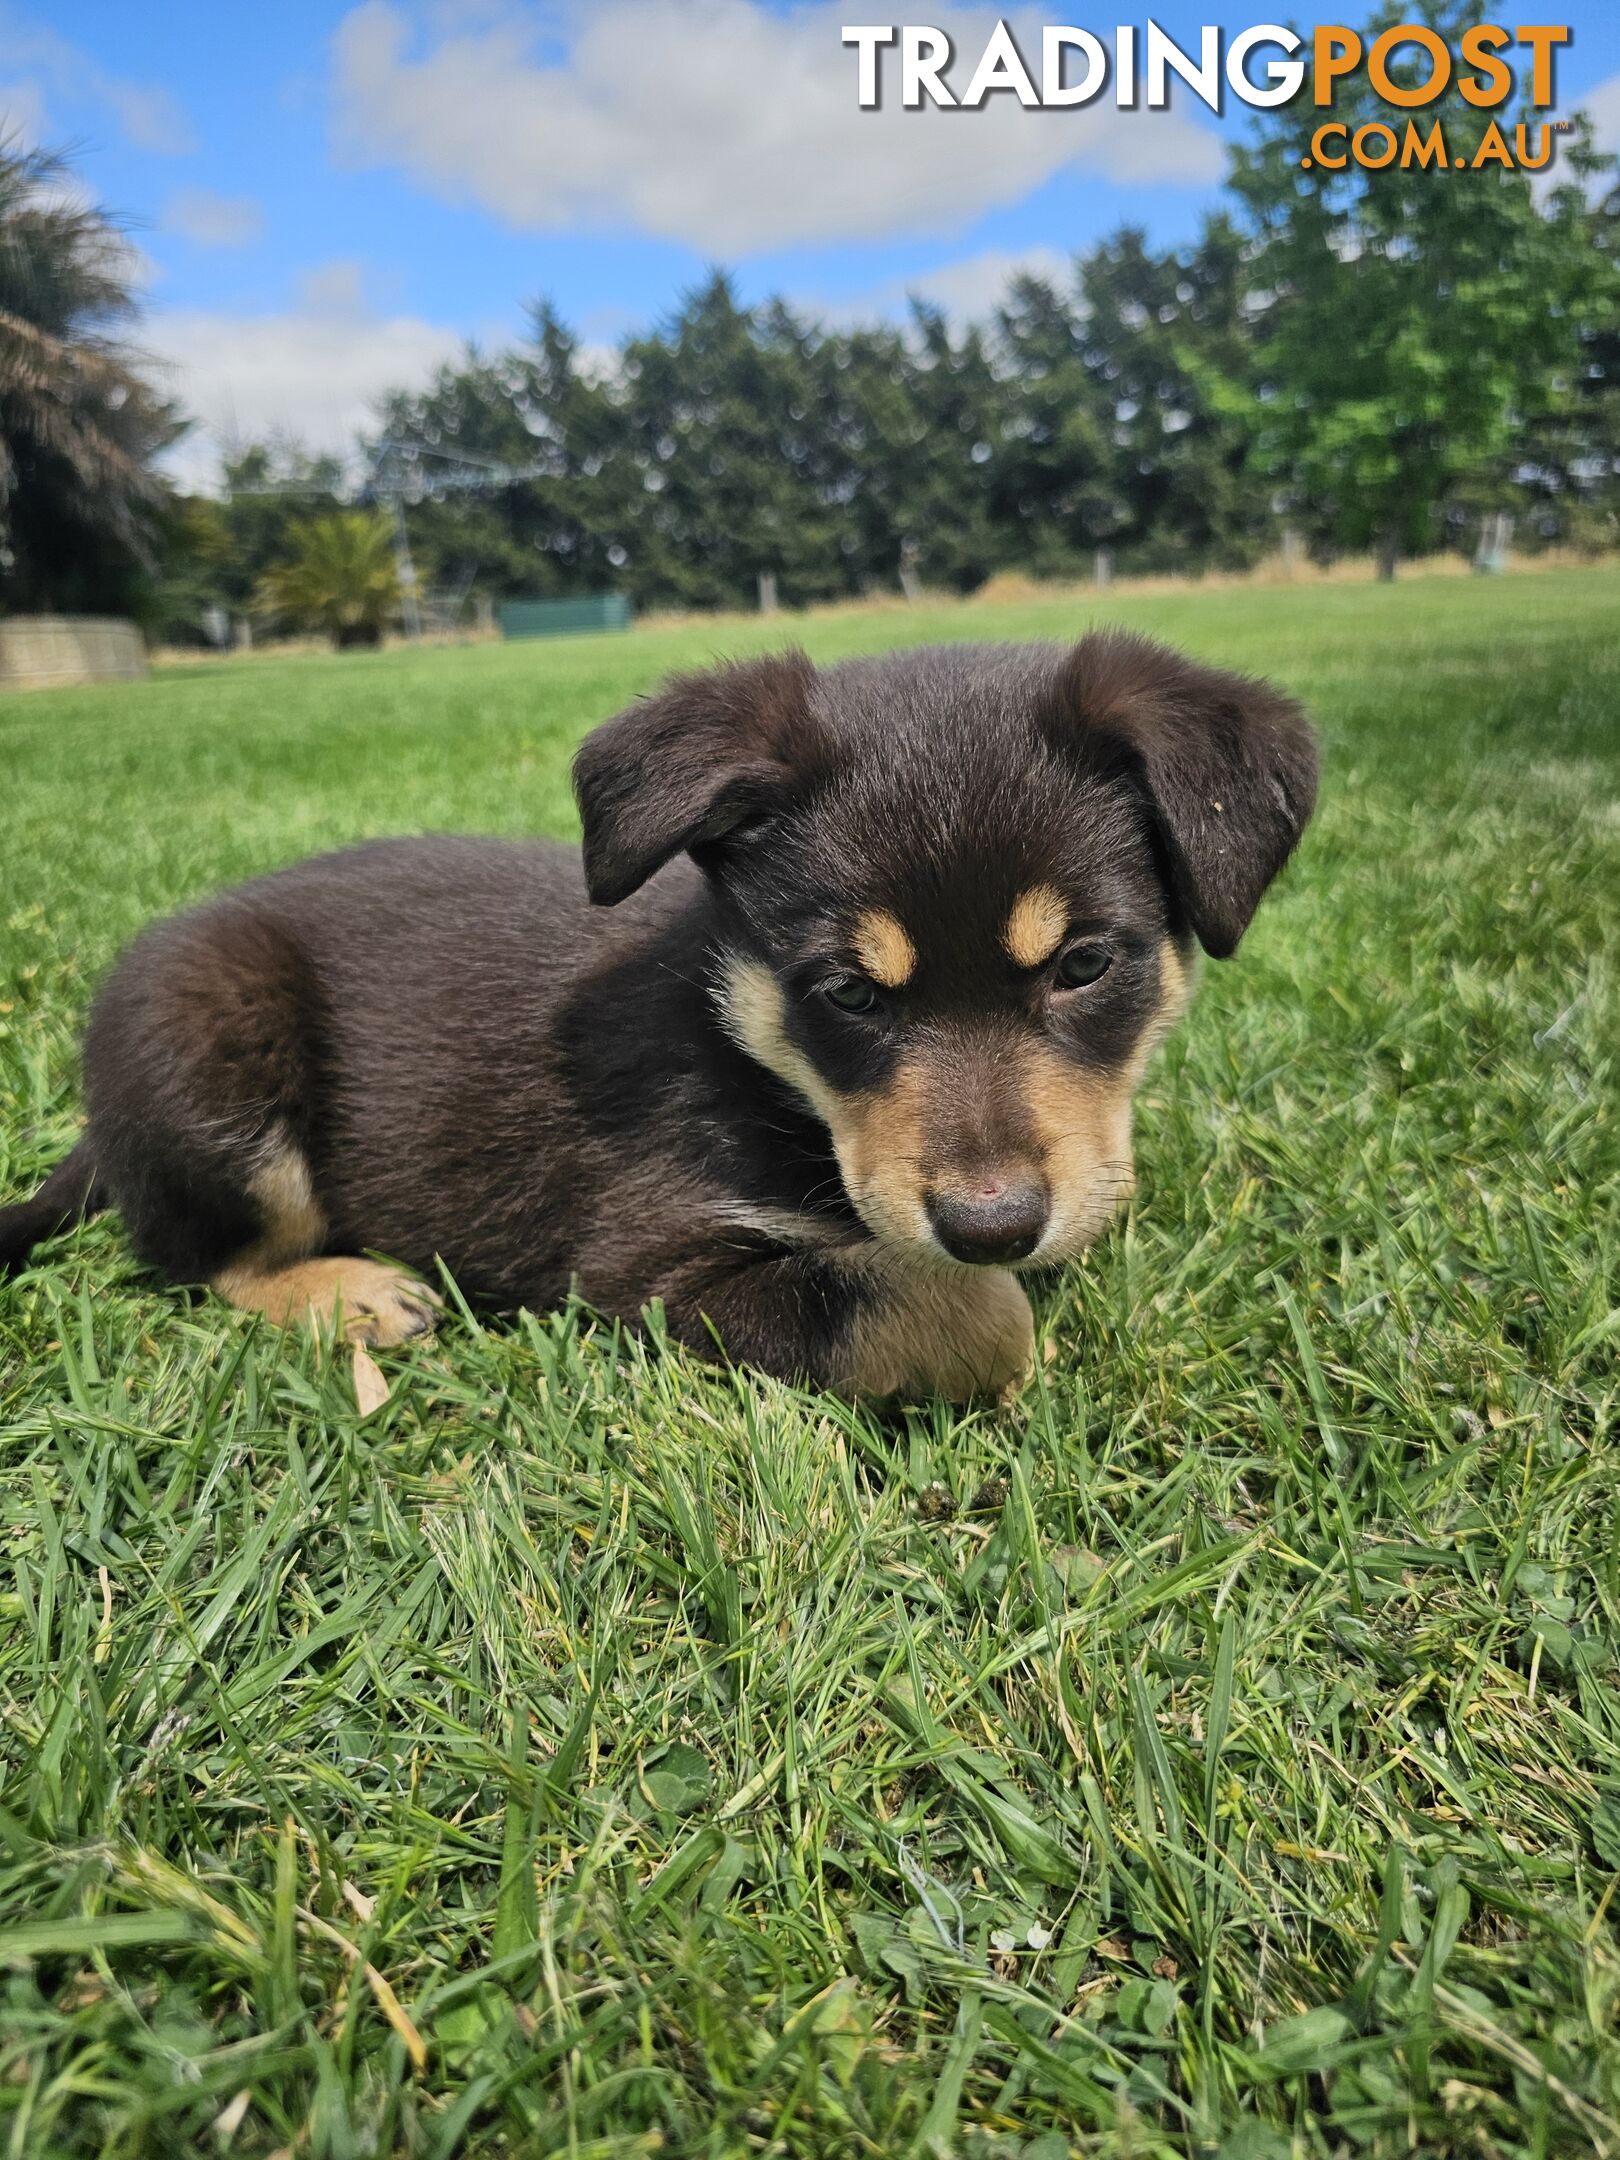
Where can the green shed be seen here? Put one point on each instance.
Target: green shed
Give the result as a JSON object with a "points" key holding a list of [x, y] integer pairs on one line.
{"points": [[563, 618]]}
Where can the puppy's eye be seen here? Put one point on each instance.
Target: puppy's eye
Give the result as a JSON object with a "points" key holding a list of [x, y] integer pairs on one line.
{"points": [[850, 993], [1083, 964]]}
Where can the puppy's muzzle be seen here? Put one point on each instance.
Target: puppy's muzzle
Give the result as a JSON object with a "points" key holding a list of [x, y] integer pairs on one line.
{"points": [[989, 1221]]}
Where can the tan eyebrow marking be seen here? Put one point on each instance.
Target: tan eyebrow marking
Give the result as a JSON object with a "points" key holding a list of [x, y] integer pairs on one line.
{"points": [[883, 948], [1036, 925]]}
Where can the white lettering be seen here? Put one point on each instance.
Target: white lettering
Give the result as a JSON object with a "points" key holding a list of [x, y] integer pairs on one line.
{"points": [[867, 37], [1163, 54], [1001, 67], [1056, 39], [1125, 65], [1285, 76], [923, 52]]}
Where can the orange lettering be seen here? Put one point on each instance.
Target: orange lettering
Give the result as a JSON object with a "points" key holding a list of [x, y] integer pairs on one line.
{"points": [[1391, 41], [1527, 163], [1337, 51], [1541, 38], [1478, 45]]}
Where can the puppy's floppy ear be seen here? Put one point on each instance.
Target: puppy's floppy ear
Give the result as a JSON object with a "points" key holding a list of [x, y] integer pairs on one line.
{"points": [[685, 767], [1228, 764]]}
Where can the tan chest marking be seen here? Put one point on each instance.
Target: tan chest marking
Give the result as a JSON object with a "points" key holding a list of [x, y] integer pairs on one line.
{"points": [[1035, 928], [959, 1333], [882, 947]]}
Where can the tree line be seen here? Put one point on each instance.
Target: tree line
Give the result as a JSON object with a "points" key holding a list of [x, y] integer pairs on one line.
{"points": [[1341, 361]]}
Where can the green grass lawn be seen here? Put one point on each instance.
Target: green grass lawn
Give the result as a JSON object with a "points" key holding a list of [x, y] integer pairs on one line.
{"points": [[589, 1753]]}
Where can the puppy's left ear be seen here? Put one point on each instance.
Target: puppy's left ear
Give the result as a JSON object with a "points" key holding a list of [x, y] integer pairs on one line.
{"points": [[682, 769], [1228, 765]]}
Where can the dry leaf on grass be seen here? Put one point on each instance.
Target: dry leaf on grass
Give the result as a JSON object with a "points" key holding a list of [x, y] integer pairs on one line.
{"points": [[230, 2117], [358, 1903], [370, 1382]]}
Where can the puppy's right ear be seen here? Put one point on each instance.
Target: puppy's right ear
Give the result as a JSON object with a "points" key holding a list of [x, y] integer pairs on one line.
{"points": [[1227, 764], [707, 754]]}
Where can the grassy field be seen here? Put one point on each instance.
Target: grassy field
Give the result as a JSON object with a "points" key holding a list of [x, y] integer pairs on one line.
{"points": [[587, 1753]]}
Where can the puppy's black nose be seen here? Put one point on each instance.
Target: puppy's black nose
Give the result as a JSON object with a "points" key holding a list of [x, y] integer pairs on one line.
{"points": [[988, 1220]]}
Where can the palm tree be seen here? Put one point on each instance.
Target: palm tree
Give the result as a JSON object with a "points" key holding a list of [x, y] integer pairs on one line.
{"points": [[79, 424], [340, 578]]}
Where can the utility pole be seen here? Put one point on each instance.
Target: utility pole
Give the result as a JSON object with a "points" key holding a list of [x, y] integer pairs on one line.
{"points": [[410, 612], [397, 470], [398, 467]]}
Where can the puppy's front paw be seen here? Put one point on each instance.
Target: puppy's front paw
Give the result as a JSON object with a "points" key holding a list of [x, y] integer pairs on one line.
{"points": [[378, 1305], [381, 1306], [959, 1333]]}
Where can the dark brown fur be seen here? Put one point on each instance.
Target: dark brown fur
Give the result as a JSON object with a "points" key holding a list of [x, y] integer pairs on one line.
{"points": [[641, 1071]]}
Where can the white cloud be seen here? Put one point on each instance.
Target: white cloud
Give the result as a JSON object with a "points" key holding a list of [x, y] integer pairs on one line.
{"points": [[966, 290], [336, 288], [726, 125], [148, 116], [311, 371], [213, 221], [1601, 104], [22, 113]]}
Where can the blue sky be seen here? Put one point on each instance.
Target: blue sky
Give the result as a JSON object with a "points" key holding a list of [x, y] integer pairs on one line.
{"points": [[328, 198]]}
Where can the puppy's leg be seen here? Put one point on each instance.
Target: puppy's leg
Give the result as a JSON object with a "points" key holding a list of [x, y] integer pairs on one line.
{"points": [[280, 1276], [205, 1071], [865, 1320], [375, 1303], [926, 1329]]}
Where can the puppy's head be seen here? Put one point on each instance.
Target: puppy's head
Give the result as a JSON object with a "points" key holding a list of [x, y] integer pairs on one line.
{"points": [[960, 892]]}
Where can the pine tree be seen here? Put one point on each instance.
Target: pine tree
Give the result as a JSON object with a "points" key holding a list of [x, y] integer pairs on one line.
{"points": [[1056, 495], [1166, 346], [1415, 322]]}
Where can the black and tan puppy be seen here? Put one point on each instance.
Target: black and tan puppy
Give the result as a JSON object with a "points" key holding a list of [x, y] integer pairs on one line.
{"points": [[837, 1024]]}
